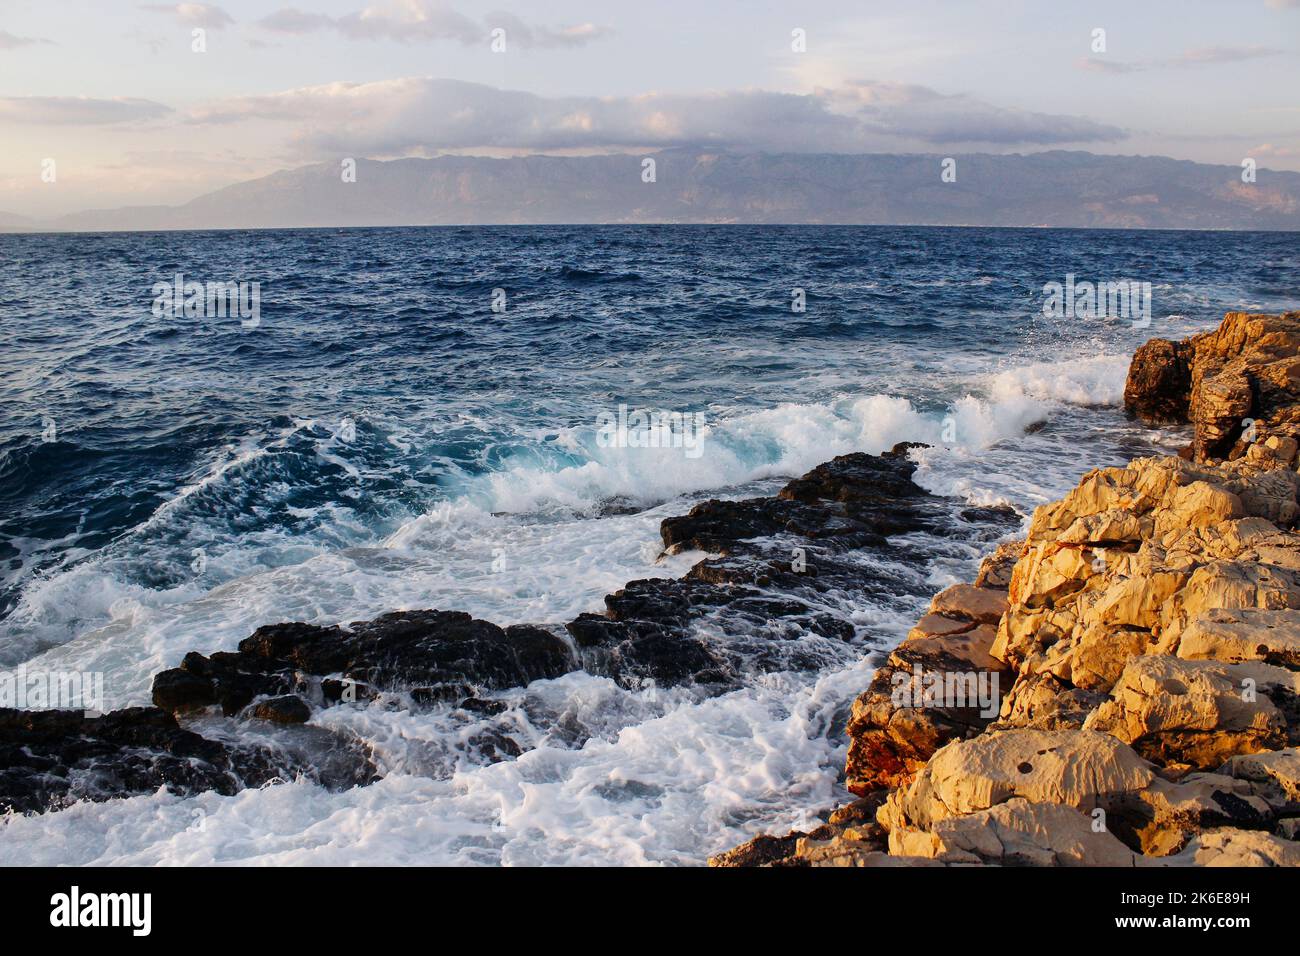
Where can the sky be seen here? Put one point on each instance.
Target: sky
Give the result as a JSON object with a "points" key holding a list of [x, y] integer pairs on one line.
{"points": [[108, 103]]}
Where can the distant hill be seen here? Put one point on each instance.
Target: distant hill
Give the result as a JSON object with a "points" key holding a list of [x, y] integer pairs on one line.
{"points": [[1058, 188], [12, 222]]}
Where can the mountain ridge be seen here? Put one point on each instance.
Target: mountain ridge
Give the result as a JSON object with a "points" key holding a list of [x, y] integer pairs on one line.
{"points": [[1054, 189]]}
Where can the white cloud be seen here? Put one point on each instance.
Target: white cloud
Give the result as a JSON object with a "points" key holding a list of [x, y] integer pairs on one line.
{"points": [[194, 14], [422, 114], [412, 21], [1203, 56], [77, 110]]}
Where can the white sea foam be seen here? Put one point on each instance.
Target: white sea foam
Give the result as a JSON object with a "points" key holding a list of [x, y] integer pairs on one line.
{"points": [[669, 790], [667, 782]]}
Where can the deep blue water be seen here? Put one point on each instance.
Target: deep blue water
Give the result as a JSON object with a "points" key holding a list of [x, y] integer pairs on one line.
{"points": [[393, 328], [384, 439]]}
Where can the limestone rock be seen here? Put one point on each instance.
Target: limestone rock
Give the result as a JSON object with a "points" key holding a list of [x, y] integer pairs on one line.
{"points": [[1277, 774], [1015, 833], [1243, 634], [1174, 711], [1080, 769], [1042, 702], [965, 602], [995, 570], [1232, 847]]}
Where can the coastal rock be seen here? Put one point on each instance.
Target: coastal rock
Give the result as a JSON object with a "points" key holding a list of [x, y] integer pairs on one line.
{"points": [[854, 500], [1232, 847], [1080, 769], [1233, 384], [1243, 634], [402, 650], [1151, 637], [287, 709], [1043, 702], [1276, 775], [1196, 713], [49, 759], [1158, 390], [1015, 833], [995, 570], [928, 692], [965, 602], [763, 850]]}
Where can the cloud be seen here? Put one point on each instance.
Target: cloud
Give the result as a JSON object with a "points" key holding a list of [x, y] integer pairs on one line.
{"points": [[294, 21], [1203, 56], [194, 14], [920, 113], [10, 42], [424, 20], [77, 110], [422, 114]]}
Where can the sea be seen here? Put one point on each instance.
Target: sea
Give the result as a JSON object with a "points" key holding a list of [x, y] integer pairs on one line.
{"points": [[411, 418]]}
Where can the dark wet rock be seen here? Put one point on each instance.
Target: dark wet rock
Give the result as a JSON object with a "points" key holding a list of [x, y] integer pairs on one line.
{"points": [[335, 691], [51, 758], [1159, 386], [765, 601], [178, 690], [637, 652], [487, 708], [858, 499], [775, 594], [443, 653], [493, 746], [288, 709]]}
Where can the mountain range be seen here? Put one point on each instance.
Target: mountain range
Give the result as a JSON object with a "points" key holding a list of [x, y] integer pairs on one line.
{"points": [[1046, 189]]}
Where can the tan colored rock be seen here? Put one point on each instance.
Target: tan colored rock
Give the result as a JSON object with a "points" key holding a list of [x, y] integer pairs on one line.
{"points": [[1049, 573], [971, 647], [1232, 847], [1243, 634], [1078, 768], [1269, 494], [969, 603], [1200, 504], [1188, 548], [1106, 529], [1027, 635], [1282, 550], [1042, 702], [936, 625], [995, 570], [1283, 447], [1276, 773], [1100, 654], [1174, 711], [890, 736], [1131, 601], [1229, 585], [842, 853], [1218, 406], [1165, 815], [1015, 833]]}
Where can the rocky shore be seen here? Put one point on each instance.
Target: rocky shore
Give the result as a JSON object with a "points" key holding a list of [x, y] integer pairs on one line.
{"points": [[1143, 643], [775, 594], [1121, 686]]}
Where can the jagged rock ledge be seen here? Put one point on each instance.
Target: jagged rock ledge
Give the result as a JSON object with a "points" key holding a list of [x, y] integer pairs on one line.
{"points": [[1144, 642], [765, 600]]}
